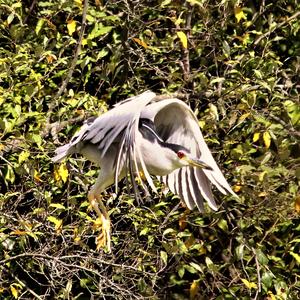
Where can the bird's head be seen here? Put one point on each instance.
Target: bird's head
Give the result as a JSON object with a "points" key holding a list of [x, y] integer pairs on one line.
{"points": [[185, 158]]}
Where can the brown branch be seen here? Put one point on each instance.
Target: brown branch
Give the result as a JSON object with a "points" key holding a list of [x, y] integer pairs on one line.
{"points": [[56, 127], [73, 63], [65, 257], [33, 293], [185, 63], [186, 52], [30, 11], [295, 15], [258, 290], [286, 126]]}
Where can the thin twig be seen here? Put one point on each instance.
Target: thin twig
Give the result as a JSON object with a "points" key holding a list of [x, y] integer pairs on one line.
{"points": [[295, 15], [186, 52], [61, 258], [258, 275], [30, 11], [33, 293], [74, 61], [286, 126]]}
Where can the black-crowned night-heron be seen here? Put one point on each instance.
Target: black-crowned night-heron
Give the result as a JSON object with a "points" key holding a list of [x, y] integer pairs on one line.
{"points": [[149, 135]]}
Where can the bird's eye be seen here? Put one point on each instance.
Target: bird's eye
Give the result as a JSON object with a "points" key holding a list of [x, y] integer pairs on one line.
{"points": [[180, 154]]}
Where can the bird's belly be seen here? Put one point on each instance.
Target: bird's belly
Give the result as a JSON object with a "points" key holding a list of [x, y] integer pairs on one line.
{"points": [[92, 153]]}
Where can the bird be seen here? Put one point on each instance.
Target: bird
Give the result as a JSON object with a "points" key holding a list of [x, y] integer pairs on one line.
{"points": [[143, 136]]}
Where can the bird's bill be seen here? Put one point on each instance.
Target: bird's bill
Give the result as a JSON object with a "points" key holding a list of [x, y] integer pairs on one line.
{"points": [[195, 162]]}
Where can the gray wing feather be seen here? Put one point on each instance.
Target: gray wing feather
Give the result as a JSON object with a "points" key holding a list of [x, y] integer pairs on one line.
{"points": [[119, 123]]}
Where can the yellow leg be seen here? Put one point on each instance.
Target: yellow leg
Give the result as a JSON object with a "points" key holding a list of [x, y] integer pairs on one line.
{"points": [[104, 237]]}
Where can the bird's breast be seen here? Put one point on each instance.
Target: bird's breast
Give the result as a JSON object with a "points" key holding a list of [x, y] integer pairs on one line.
{"points": [[159, 161]]}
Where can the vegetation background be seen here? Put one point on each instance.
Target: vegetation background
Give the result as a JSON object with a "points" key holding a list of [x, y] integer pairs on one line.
{"points": [[237, 63]]}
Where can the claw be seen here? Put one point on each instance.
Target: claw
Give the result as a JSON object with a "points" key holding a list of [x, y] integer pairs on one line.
{"points": [[104, 238]]}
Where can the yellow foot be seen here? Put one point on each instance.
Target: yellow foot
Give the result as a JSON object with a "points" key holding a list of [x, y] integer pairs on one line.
{"points": [[103, 239], [102, 223]]}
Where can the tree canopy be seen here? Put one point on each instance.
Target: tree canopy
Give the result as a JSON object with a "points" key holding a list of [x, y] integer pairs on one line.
{"points": [[235, 62]]}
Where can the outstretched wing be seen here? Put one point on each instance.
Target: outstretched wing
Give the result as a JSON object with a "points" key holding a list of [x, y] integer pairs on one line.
{"points": [[118, 124], [176, 123]]}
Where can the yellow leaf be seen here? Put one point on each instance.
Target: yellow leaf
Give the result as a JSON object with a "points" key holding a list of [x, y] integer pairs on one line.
{"points": [[190, 241], [246, 39], [297, 204], [262, 194], [267, 139], [100, 241], [14, 292], [262, 175], [213, 111], [195, 2], [23, 156], [36, 176], [202, 250], [239, 14], [244, 116], [84, 42], [182, 223], [56, 222], [194, 288], [78, 2], [256, 137], [140, 42], [51, 58], [18, 232], [61, 173], [183, 39], [248, 284], [236, 188], [271, 296], [296, 256], [201, 124], [97, 224], [71, 26]]}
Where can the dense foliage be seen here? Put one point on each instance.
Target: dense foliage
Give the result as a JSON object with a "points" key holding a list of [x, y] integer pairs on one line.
{"points": [[237, 63]]}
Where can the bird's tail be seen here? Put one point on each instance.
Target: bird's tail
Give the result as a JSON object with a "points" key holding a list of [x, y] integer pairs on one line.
{"points": [[61, 152]]}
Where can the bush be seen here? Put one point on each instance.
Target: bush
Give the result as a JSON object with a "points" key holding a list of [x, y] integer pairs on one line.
{"points": [[235, 63]]}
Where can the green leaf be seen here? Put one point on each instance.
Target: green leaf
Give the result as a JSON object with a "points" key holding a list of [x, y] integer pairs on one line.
{"points": [[99, 30], [223, 225], [296, 256], [39, 26], [181, 271], [210, 265], [164, 257], [197, 267], [23, 156], [267, 278], [239, 251], [145, 231], [217, 80], [56, 222], [261, 257], [168, 231], [57, 205], [10, 18], [10, 174]]}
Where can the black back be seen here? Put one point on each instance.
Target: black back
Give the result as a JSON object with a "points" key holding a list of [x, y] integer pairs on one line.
{"points": [[148, 131]]}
